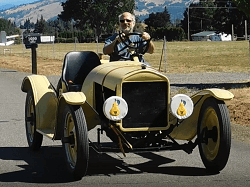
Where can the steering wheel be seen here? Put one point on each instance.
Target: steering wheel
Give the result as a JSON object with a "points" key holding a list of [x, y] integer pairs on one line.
{"points": [[140, 47]]}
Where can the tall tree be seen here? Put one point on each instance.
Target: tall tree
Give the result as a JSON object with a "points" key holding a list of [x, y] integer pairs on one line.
{"points": [[101, 15], [214, 15], [226, 15], [9, 27], [40, 26], [159, 19], [244, 6], [197, 18]]}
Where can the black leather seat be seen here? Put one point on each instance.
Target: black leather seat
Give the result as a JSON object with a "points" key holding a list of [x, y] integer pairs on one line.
{"points": [[76, 67]]}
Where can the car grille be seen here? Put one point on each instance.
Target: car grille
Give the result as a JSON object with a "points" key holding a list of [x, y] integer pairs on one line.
{"points": [[147, 104]]}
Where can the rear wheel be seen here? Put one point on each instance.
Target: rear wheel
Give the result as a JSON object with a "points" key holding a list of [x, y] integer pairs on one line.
{"points": [[75, 141], [214, 134], [33, 137]]}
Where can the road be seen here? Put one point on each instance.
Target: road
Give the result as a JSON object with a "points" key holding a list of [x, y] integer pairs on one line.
{"points": [[20, 167]]}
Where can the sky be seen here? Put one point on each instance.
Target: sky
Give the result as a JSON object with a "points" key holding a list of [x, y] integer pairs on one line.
{"points": [[15, 2]]}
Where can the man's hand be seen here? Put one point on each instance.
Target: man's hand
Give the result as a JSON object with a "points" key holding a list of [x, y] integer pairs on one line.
{"points": [[145, 36], [118, 39]]}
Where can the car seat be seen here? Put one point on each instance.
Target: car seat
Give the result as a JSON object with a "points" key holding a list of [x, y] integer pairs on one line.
{"points": [[76, 67]]}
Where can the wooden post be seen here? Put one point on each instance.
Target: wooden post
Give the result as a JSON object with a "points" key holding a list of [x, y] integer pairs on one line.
{"points": [[249, 51], [75, 44], [54, 56], [245, 29], [188, 25], [97, 41], [232, 33], [165, 55]]}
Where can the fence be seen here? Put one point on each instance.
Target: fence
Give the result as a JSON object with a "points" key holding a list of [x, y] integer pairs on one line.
{"points": [[50, 51], [182, 57]]}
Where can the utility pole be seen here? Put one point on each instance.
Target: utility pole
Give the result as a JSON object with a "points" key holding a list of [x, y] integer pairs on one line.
{"points": [[201, 25], [246, 37], [232, 32], [188, 25]]}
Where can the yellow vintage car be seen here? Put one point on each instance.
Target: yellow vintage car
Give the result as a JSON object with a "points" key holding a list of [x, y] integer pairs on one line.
{"points": [[131, 103]]}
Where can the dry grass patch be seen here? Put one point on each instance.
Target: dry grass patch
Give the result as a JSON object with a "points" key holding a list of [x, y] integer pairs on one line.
{"points": [[181, 57]]}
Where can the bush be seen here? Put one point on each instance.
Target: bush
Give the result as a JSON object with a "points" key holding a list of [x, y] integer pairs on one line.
{"points": [[171, 33]]}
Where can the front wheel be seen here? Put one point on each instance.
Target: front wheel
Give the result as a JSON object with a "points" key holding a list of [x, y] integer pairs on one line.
{"points": [[33, 137], [214, 134], [75, 140]]}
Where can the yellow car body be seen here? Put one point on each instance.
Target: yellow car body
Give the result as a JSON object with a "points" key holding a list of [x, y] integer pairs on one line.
{"points": [[145, 96], [112, 76]]}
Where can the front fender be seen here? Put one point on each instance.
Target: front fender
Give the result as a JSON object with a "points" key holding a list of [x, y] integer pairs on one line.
{"points": [[74, 98], [187, 130], [219, 94], [45, 100]]}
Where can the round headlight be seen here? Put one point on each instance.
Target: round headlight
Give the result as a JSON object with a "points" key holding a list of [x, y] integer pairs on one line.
{"points": [[115, 108], [181, 106]]}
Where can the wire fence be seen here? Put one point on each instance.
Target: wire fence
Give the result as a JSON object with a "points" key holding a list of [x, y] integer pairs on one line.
{"points": [[55, 51], [178, 57]]}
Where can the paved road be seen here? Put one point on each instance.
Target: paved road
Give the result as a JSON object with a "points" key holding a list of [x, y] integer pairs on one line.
{"points": [[20, 167]]}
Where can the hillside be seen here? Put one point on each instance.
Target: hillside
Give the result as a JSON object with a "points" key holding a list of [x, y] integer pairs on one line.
{"points": [[51, 8], [175, 8]]}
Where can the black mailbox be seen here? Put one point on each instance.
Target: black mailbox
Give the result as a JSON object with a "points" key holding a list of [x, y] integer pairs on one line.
{"points": [[31, 39]]}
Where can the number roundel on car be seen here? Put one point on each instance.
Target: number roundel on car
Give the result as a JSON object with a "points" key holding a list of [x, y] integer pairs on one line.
{"points": [[115, 108], [181, 106]]}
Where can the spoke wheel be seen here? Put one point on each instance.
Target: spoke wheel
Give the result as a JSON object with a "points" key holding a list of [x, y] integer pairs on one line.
{"points": [[75, 141], [33, 137], [214, 134]]}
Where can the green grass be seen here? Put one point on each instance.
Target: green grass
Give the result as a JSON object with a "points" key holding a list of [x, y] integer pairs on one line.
{"points": [[181, 57]]}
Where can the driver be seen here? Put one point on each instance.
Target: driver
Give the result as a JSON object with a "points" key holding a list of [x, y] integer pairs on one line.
{"points": [[115, 47]]}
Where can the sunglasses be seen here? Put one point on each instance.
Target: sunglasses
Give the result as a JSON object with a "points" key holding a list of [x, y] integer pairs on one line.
{"points": [[123, 20]]}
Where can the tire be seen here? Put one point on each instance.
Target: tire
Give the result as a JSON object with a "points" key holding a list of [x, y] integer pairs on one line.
{"points": [[59, 86], [75, 141], [33, 137], [214, 134]]}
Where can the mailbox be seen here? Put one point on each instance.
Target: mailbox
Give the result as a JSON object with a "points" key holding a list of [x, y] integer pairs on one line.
{"points": [[31, 39]]}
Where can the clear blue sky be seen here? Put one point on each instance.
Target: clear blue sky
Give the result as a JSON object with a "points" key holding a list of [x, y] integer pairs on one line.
{"points": [[15, 2]]}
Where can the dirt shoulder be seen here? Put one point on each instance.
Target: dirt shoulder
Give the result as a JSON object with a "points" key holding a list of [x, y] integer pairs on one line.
{"points": [[23, 64], [239, 107]]}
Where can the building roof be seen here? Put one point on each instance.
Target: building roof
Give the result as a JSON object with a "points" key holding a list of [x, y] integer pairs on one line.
{"points": [[204, 33]]}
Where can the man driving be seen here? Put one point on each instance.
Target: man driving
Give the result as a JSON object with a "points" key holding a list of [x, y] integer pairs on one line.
{"points": [[117, 46]]}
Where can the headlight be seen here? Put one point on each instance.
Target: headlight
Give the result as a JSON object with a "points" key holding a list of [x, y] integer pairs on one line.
{"points": [[181, 106], [115, 108]]}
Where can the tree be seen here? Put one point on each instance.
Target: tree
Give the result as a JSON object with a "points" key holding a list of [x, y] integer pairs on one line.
{"points": [[244, 6], [27, 25], [101, 15], [227, 15], [159, 19], [214, 15], [9, 27], [199, 19], [40, 26]]}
